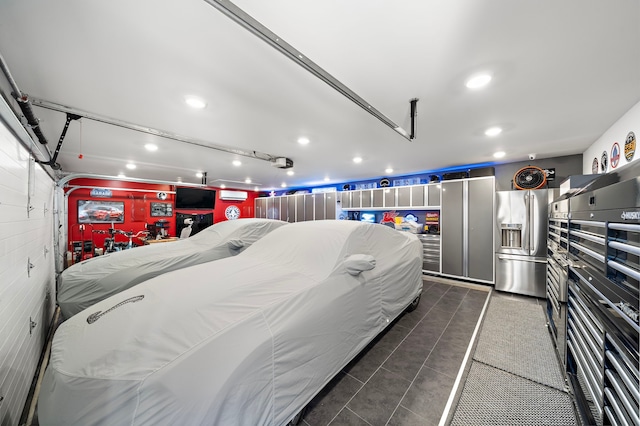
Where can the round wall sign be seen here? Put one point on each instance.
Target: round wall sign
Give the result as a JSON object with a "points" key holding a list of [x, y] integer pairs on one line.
{"points": [[384, 183], [232, 212], [630, 146], [595, 166], [161, 195], [604, 161], [615, 155]]}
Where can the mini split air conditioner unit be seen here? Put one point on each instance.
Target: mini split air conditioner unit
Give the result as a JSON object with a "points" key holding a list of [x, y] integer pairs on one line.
{"points": [[233, 195]]}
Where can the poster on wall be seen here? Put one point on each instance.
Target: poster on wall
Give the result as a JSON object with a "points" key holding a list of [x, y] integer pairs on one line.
{"points": [[630, 146], [92, 211], [161, 210], [595, 166]]}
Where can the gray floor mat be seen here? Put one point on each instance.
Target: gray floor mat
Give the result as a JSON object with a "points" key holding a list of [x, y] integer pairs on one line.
{"points": [[514, 338], [493, 397]]}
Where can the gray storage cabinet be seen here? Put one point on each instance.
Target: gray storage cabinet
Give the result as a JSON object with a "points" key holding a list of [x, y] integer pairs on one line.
{"points": [[261, 208], [466, 228], [298, 207]]}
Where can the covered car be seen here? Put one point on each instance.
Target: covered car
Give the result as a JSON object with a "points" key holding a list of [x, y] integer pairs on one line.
{"points": [[92, 280], [247, 340]]}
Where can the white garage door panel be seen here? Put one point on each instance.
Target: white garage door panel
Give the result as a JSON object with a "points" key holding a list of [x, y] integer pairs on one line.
{"points": [[25, 295]]}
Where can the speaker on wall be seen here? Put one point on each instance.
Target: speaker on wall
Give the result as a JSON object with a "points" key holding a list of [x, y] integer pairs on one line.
{"points": [[455, 175]]}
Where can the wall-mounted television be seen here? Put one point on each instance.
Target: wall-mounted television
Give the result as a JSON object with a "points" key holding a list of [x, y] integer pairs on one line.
{"points": [[96, 211], [195, 198]]}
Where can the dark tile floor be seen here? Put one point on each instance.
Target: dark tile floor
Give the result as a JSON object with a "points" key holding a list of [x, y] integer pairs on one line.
{"points": [[405, 376]]}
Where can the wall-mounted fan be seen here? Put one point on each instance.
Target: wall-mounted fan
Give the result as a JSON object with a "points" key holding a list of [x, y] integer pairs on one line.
{"points": [[530, 177]]}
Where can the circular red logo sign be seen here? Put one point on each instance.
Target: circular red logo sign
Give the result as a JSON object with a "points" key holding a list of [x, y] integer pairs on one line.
{"points": [[615, 155]]}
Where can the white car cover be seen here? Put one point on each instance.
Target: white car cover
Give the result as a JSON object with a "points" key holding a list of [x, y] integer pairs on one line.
{"points": [[247, 340], [95, 279]]}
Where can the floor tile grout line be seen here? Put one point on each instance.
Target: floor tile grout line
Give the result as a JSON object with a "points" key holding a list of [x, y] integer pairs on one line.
{"points": [[408, 409], [357, 415], [385, 360], [465, 360], [425, 360]]}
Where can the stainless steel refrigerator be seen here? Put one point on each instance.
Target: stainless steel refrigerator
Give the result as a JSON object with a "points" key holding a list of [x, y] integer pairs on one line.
{"points": [[521, 241]]}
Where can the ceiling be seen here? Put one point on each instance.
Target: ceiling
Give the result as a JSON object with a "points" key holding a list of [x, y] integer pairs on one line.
{"points": [[562, 74]]}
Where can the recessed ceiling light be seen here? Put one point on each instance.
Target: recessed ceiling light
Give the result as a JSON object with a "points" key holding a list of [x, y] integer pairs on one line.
{"points": [[179, 179], [283, 185], [478, 81], [327, 179], [357, 160], [388, 170], [199, 174], [290, 172], [195, 102], [303, 141], [237, 163], [223, 186], [493, 131], [131, 166], [247, 180], [255, 188], [151, 147], [499, 154], [121, 175]]}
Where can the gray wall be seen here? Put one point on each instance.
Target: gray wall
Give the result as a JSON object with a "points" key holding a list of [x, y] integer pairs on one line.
{"points": [[26, 236], [565, 166]]}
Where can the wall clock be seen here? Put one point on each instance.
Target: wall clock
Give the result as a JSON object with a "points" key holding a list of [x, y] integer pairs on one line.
{"points": [[232, 212]]}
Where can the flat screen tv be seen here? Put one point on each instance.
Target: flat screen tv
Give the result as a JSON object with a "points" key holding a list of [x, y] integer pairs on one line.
{"points": [[97, 211], [195, 198]]}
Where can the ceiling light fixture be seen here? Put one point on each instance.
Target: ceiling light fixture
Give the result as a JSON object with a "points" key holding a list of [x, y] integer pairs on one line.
{"points": [[223, 186], [290, 173], [199, 175], [303, 141], [246, 21], [237, 163], [247, 180], [195, 102], [121, 175], [357, 160], [283, 185], [493, 131], [327, 179], [478, 81], [131, 166], [151, 147], [499, 154], [255, 188], [388, 170]]}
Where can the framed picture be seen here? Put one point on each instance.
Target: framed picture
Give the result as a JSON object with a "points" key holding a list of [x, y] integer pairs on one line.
{"points": [[161, 209], [97, 211]]}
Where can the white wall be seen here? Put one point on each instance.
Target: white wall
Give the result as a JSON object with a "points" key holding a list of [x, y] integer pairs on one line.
{"points": [[25, 294], [630, 122]]}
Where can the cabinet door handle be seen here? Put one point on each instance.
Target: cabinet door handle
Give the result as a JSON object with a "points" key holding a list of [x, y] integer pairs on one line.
{"points": [[522, 259]]}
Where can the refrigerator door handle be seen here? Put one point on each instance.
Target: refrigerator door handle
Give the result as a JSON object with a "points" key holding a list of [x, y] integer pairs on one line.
{"points": [[532, 217], [527, 237]]}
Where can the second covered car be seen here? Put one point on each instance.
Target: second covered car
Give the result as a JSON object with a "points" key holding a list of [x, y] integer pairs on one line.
{"points": [[95, 279]]}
